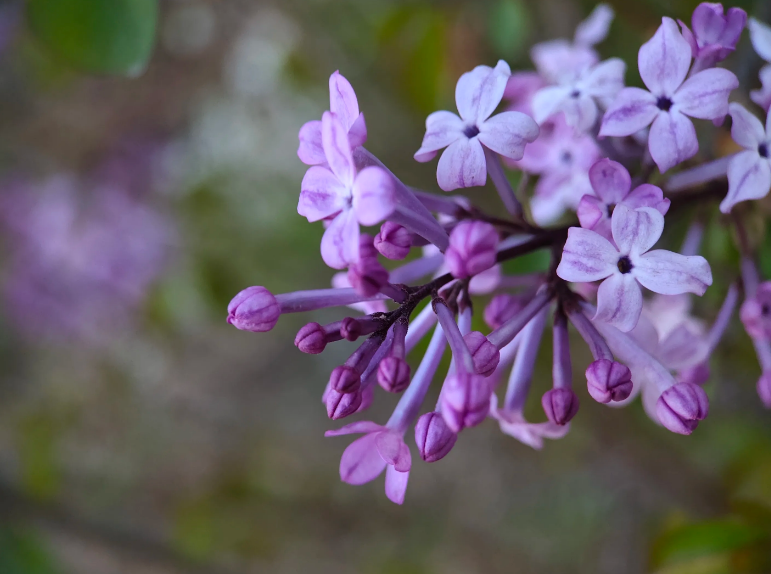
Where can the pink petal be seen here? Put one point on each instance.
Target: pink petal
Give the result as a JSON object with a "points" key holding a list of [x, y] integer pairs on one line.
{"points": [[479, 92], [357, 134], [462, 165], [547, 101], [361, 462], [664, 59], [636, 230], [321, 194], [355, 428], [670, 273], [396, 484], [507, 133], [342, 100], [749, 177], [595, 28], [610, 180], [705, 95], [337, 148], [631, 111], [619, 302], [442, 129], [374, 195], [586, 256], [340, 243], [311, 151], [760, 34], [672, 140], [394, 451], [746, 129], [590, 211], [647, 195], [605, 80]]}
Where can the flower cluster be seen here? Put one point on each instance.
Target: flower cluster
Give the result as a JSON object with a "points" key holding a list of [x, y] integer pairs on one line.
{"points": [[576, 132]]}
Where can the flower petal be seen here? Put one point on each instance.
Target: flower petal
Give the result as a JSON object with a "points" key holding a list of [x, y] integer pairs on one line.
{"points": [[762, 97], [507, 133], [749, 177], [547, 101], [580, 112], [672, 140], [610, 180], [321, 194], [462, 165], [361, 462], [396, 484], [374, 195], [636, 230], [340, 243], [337, 148], [682, 348], [647, 195], [311, 151], [760, 35], [670, 273], [355, 428], [631, 111], [559, 61], [342, 100], [605, 80], [746, 129], [586, 256], [664, 59], [442, 128], [394, 451], [479, 92], [357, 134], [591, 210], [619, 302], [705, 95], [595, 28]]}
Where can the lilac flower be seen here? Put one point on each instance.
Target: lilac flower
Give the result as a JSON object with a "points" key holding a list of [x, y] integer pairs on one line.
{"points": [[681, 407], [760, 34], [560, 403], [714, 34], [477, 94], [663, 62], [587, 256], [611, 184], [342, 281], [393, 241], [433, 437], [472, 248], [342, 103], [749, 171], [756, 312], [520, 89]]}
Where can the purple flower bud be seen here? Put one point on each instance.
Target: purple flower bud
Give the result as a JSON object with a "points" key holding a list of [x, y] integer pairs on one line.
{"points": [[681, 407], [350, 329], [367, 396], [501, 308], [608, 380], [311, 339], [393, 374], [393, 241], [433, 438], [764, 389], [472, 248], [756, 313], [367, 276], [341, 405], [254, 309], [560, 405], [345, 379], [486, 355], [465, 400], [697, 374]]}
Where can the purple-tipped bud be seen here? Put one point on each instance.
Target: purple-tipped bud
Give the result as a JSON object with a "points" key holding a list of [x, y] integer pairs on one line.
{"points": [[465, 400], [697, 374], [341, 405], [472, 248], [608, 380], [393, 374], [560, 405], [393, 241], [501, 308], [434, 439], [756, 313], [486, 355], [311, 339], [254, 309], [681, 407], [344, 380], [764, 389], [367, 276], [350, 329]]}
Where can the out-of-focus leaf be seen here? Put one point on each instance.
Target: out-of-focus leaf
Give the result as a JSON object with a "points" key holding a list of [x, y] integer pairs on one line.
{"points": [[22, 553], [510, 25], [112, 37], [704, 539], [40, 477]]}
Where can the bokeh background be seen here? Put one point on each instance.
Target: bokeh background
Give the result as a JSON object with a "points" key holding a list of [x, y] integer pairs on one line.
{"points": [[141, 434]]}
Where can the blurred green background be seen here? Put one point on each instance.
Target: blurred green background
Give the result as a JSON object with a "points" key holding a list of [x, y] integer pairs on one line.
{"points": [[184, 446]]}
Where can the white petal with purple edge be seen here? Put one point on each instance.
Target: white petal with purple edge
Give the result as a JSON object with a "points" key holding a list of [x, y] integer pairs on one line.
{"points": [[396, 484], [442, 129], [547, 101], [760, 34], [619, 302], [610, 180], [479, 92], [340, 243], [670, 273], [374, 195], [749, 177], [632, 110], [337, 148], [311, 151], [586, 257], [507, 133], [705, 95], [664, 59], [342, 100], [462, 165], [321, 194], [361, 462], [672, 140], [636, 230]]}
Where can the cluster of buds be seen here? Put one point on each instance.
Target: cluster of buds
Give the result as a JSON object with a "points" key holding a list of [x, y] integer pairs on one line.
{"points": [[576, 132]]}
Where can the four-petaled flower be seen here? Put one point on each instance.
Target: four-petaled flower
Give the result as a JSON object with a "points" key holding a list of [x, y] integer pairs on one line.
{"points": [[663, 62], [587, 256], [477, 94]]}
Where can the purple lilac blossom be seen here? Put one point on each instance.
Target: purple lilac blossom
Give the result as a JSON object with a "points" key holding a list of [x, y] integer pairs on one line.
{"points": [[714, 35], [472, 248]]}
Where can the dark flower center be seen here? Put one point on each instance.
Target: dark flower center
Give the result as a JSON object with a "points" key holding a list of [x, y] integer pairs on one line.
{"points": [[566, 157], [763, 150], [765, 310], [664, 103], [610, 207], [471, 132], [575, 94], [624, 265]]}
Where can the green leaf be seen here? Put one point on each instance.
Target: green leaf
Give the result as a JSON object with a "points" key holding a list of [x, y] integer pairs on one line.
{"points": [[704, 539], [111, 37]]}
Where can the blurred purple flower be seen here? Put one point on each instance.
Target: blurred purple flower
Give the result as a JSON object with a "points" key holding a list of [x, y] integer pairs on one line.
{"points": [[714, 34]]}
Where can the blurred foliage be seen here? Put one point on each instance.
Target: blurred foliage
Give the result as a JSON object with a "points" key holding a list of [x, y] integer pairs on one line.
{"points": [[22, 552]]}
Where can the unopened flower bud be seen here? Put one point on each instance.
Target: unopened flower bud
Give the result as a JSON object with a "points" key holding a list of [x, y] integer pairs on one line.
{"points": [[465, 400], [367, 396], [560, 405], [254, 309], [393, 374], [311, 339], [501, 308], [350, 329], [472, 248], [393, 241], [434, 439], [367, 276], [681, 407], [345, 379], [764, 389], [756, 313], [608, 380], [341, 405], [486, 355]]}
